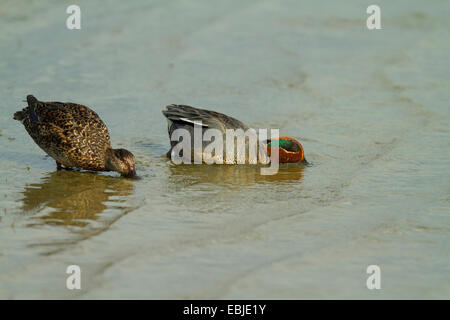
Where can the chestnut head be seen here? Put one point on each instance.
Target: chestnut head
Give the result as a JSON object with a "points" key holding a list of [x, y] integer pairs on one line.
{"points": [[290, 150]]}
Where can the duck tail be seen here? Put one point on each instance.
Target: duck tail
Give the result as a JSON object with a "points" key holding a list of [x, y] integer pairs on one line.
{"points": [[32, 102]]}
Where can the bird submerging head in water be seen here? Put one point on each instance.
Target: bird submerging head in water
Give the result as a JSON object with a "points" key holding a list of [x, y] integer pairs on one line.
{"points": [[185, 117], [74, 136]]}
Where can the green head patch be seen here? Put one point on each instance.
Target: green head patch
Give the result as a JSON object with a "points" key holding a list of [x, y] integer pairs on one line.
{"points": [[287, 145]]}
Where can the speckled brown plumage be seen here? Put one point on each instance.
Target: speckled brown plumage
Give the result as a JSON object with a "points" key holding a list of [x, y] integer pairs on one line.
{"points": [[211, 119], [73, 135]]}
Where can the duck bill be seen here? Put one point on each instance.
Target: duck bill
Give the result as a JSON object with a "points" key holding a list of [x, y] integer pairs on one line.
{"points": [[130, 174]]}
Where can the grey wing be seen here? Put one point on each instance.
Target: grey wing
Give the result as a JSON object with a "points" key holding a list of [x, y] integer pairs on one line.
{"points": [[186, 115]]}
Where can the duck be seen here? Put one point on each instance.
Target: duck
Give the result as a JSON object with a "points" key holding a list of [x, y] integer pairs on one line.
{"points": [[74, 136], [186, 117]]}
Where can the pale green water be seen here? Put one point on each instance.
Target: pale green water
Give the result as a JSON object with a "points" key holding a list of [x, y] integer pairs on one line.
{"points": [[371, 109]]}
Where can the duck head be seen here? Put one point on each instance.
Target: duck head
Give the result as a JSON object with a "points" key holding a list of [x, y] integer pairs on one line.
{"points": [[122, 161], [290, 150]]}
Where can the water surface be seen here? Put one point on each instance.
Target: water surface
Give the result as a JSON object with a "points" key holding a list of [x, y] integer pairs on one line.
{"points": [[370, 108]]}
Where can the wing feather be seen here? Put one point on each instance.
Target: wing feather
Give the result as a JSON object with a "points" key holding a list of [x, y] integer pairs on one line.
{"points": [[190, 115]]}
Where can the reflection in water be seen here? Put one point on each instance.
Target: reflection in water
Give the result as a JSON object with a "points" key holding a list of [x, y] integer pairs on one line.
{"points": [[74, 198], [233, 175]]}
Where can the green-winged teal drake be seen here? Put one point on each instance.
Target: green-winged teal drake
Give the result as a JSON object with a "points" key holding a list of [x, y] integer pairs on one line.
{"points": [[75, 136], [182, 116]]}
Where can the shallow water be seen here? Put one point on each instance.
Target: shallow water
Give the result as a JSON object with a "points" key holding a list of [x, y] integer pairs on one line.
{"points": [[370, 108]]}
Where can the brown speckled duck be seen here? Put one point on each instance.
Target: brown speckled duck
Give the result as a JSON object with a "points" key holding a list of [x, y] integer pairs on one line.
{"points": [[182, 116], [74, 136]]}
